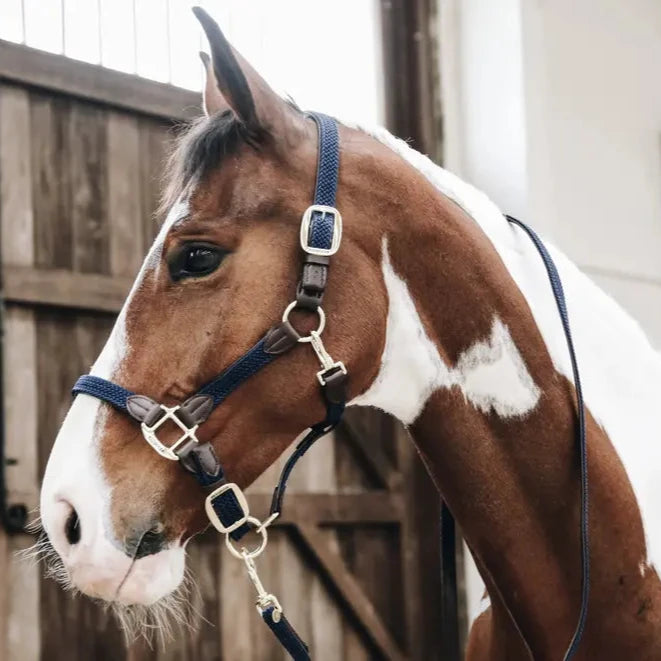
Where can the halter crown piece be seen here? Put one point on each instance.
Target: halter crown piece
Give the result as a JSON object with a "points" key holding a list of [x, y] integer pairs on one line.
{"points": [[226, 505]]}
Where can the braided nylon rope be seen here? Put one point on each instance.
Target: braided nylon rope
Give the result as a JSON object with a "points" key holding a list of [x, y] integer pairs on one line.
{"points": [[561, 303], [104, 390], [328, 163], [237, 373], [322, 225]]}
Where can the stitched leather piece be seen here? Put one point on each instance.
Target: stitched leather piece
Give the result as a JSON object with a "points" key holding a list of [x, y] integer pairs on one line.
{"points": [[200, 459], [308, 300], [286, 634], [141, 407], [314, 278], [281, 338], [195, 410], [335, 390]]}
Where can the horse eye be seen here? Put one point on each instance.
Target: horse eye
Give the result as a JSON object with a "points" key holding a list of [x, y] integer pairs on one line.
{"points": [[195, 260]]}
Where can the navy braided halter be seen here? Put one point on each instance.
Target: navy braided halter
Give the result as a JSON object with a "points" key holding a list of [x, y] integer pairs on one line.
{"points": [[226, 506]]}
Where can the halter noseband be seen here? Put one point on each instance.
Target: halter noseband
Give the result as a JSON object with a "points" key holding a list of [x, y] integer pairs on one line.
{"points": [[226, 505]]}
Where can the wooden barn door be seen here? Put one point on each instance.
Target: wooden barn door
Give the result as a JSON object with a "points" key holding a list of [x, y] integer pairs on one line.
{"points": [[354, 558]]}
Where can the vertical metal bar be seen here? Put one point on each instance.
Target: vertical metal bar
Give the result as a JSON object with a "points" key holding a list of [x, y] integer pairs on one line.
{"points": [[100, 30], [168, 34], [135, 38], [63, 4], [62, 26], [23, 24]]}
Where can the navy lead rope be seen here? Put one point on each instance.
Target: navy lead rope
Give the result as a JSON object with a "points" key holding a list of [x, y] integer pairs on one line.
{"points": [[561, 303]]}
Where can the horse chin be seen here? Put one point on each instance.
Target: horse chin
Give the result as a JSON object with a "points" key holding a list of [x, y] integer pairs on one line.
{"points": [[152, 578]]}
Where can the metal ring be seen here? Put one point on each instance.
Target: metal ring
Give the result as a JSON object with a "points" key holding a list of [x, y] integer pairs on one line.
{"points": [[320, 328], [258, 550]]}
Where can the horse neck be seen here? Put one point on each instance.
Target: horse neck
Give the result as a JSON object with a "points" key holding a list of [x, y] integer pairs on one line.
{"points": [[466, 368]]}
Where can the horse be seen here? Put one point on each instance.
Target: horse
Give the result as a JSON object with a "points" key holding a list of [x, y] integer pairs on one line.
{"points": [[443, 317]]}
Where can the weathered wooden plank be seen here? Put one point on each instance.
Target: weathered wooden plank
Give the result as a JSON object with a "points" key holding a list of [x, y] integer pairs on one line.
{"points": [[62, 288], [369, 507], [237, 609], [89, 203], [332, 566], [370, 450], [22, 607], [4, 591], [16, 181], [33, 68], [51, 193], [155, 141], [326, 621], [124, 207]]}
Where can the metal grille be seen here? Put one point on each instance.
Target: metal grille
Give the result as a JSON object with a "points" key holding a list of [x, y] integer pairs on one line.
{"points": [[136, 36], [159, 40]]}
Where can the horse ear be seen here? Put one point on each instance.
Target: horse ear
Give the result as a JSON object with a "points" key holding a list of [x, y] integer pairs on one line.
{"points": [[212, 99], [233, 84]]}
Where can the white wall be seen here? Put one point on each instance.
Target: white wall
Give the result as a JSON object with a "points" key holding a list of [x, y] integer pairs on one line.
{"points": [[553, 108]]}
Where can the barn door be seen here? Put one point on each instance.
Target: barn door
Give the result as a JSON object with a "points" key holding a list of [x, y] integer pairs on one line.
{"points": [[354, 559]]}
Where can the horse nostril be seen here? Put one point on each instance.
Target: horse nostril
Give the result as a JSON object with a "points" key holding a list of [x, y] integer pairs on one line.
{"points": [[72, 528], [151, 541]]}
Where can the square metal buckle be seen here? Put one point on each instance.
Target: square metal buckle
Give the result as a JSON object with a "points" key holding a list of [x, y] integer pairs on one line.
{"points": [[305, 230], [211, 513], [149, 432]]}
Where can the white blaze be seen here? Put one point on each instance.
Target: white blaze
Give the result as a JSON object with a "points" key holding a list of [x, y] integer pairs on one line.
{"points": [[74, 477]]}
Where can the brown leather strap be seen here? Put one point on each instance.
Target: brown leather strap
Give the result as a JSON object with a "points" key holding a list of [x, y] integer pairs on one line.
{"points": [[314, 277]]}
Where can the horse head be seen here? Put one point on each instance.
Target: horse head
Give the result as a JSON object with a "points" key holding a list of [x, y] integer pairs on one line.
{"points": [[220, 273]]}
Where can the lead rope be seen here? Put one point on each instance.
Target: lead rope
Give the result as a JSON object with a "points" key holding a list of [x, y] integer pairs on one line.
{"points": [[561, 303]]}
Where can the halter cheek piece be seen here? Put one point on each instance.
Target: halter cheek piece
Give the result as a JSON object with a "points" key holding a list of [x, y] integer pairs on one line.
{"points": [[225, 505]]}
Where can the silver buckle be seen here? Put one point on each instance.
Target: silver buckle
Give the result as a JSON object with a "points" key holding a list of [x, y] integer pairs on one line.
{"points": [[149, 432], [327, 363], [305, 230], [243, 504]]}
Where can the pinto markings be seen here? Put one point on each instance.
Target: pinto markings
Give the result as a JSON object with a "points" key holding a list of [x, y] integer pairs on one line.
{"points": [[491, 373]]}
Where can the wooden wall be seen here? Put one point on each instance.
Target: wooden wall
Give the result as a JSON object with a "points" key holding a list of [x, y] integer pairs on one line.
{"points": [[353, 561]]}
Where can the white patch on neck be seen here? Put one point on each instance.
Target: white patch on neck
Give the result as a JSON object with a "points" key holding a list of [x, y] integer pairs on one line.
{"points": [[620, 370], [491, 373]]}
